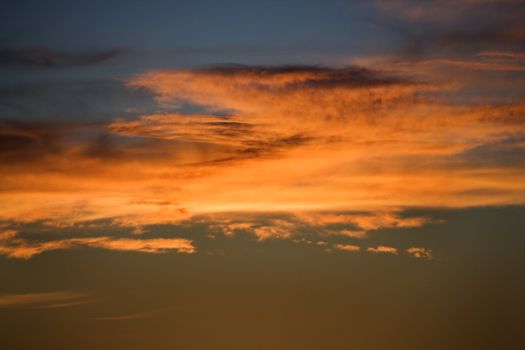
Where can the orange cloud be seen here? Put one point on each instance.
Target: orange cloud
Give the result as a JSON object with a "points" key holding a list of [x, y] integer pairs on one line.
{"points": [[353, 234], [420, 253], [364, 221], [7, 235], [383, 249], [347, 247], [295, 139], [271, 232], [24, 249]]}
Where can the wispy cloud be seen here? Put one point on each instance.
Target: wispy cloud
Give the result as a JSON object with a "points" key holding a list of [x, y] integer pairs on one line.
{"points": [[435, 27], [25, 249], [42, 300]]}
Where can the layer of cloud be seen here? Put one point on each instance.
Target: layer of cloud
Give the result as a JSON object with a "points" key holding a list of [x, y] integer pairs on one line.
{"points": [[323, 224], [269, 139]]}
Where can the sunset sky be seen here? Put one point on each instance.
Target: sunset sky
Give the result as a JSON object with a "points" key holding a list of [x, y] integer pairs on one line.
{"points": [[262, 174]]}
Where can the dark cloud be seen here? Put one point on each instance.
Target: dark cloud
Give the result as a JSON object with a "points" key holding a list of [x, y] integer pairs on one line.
{"points": [[48, 58], [27, 141], [315, 76], [40, 142], [455, 27], [72, 146], [230, 129]]}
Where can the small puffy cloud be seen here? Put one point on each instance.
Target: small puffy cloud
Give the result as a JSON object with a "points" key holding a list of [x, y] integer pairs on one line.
{"points": [[420, 253], [359, 234], [347, 247], [383, 249]]}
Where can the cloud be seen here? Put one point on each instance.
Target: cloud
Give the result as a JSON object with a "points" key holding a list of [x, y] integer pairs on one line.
{"points": [[513, 55], [267, 139], [230, 228], [263, 229], [48, 58], [353, 234], [472, 64], [25, 249], [7, 235], [41, 300], [271, 232], [364, 221], [420, 253], [455, 27], [298, 225], [347, 247], [159, 245], [383, 249]]}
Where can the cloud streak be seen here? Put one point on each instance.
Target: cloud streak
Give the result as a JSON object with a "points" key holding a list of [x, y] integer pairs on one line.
{"points": [[20, 248], [41, 300]]}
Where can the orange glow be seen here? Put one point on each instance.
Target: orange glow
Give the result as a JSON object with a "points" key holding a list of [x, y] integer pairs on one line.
{"points": [[301, 141]]}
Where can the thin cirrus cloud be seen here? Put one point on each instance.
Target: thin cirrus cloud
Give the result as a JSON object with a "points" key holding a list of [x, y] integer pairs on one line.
{"points": [[42, 300]]}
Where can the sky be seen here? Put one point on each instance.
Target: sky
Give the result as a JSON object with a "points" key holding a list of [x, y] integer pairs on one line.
{"points": [[262, 174]]}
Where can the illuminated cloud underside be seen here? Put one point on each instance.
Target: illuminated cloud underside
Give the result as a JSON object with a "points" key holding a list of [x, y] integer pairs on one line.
{"points": [[310, 141]]}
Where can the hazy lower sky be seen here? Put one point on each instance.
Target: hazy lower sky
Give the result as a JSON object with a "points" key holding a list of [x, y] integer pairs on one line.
{"points": [[262, 174]]}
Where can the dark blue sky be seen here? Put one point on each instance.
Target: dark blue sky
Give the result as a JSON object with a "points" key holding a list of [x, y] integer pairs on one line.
{"points": [[229, 31]]}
